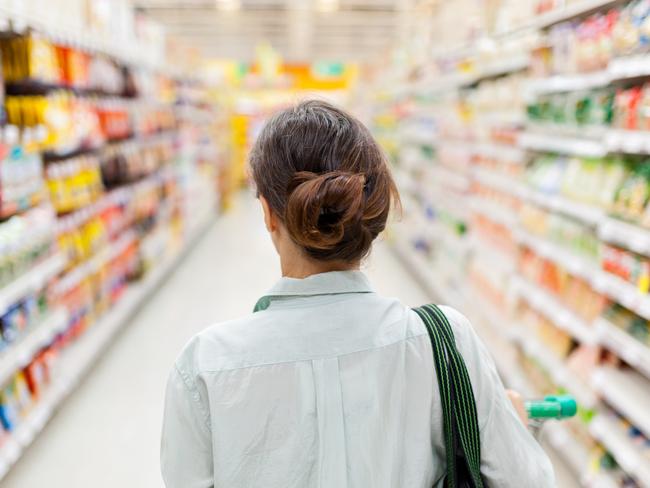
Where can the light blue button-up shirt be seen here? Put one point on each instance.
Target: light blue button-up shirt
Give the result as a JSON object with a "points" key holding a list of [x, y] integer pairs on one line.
{"points": [[330, 385]]}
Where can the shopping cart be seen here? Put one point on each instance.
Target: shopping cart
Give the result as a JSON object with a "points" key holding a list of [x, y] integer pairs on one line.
{"points": [[556, 407]]}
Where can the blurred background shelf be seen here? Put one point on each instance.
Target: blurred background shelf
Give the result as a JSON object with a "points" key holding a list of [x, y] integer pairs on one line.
{"points": [[79, 358]]}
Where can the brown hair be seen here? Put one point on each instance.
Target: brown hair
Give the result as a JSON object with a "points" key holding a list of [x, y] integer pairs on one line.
{"points": [[325, 176]]}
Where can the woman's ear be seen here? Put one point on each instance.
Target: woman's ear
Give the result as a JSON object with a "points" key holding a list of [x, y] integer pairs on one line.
{"points": [[270, 219]]}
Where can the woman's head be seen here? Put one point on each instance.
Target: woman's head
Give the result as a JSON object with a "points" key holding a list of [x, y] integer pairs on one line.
{"points": [[325, 178]]}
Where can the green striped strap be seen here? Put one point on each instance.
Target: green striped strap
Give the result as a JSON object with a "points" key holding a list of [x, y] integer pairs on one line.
{"points": [[457, 397], [466, 414], [464, 403], [444, 380]]}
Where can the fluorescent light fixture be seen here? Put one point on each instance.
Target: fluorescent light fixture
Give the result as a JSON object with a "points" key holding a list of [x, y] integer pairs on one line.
{"points": [[327, 5], [228, 5]]}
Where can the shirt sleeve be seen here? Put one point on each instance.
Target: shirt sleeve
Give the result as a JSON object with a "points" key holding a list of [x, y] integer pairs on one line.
{"points": [[510, 455], [186, 447]]}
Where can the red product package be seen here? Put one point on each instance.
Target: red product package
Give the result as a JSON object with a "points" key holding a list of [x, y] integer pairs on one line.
{"points": [[35, 375], [635, 95]]}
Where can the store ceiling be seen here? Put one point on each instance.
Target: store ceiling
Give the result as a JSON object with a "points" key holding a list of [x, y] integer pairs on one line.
{"points": [[301, 30]]}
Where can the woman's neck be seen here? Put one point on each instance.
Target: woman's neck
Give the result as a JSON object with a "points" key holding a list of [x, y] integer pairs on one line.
{"points": [[302, 267]]}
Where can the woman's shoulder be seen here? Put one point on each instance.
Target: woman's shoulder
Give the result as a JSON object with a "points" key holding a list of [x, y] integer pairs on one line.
{"points": [[261, 338], [460, 324], [219, 346], [456, 318], [466, 338]]}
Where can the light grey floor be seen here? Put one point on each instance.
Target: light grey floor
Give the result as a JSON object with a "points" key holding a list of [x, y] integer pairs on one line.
{"points": [[107, 433]]}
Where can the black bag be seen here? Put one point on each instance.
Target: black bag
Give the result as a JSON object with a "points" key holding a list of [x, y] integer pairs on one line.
{"points": [[461, 431]]}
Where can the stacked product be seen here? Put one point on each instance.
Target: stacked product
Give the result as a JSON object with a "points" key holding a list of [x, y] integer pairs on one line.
{"points": [[94, 158], [198, 129], [547, 166], [21, 175]]}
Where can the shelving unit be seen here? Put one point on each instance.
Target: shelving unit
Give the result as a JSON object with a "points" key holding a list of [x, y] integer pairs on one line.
{"points": [[495, 212], [596, 145], [40, 335], [492, 256], [541, 21], [19, 19], [611, 286], [567, 83], [555, 311], [618, 70], [624, 345], [522, 209], [626, 391], [80, 357], [421, 270], [616, 442], [141, 155], [576, 146], [570, 12], [573, 453], [558, 371], [32, 280], [627, 235], [94, 264]]}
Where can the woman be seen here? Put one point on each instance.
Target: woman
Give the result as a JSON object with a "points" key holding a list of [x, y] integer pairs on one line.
{"points": [[328, 384]]}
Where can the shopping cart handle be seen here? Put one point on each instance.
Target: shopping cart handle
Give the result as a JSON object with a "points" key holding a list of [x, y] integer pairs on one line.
{"points": [[552, 407]]}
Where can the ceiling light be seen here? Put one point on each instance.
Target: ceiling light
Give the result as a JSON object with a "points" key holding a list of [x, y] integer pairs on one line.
{"points": [[327, 5], [228, 5]]}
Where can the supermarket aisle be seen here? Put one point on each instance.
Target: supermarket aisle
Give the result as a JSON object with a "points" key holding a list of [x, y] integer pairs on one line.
{"points": [[107, 433]]}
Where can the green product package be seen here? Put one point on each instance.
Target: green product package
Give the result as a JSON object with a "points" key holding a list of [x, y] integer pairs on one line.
{"points": [[639, 330], [632, 196]]}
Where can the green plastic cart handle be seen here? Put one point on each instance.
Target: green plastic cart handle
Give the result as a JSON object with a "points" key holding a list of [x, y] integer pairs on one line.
{"points": [[552, 407]]}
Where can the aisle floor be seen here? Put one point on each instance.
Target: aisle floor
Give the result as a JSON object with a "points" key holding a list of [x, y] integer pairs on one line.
{"points": [[107, 434]]}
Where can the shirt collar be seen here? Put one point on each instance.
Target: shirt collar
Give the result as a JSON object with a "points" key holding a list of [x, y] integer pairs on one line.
{"points": [[331, 283]]}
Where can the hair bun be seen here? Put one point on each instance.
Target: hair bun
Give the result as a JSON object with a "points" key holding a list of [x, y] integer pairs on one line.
{"points": [[324, 209], [326, 178]]}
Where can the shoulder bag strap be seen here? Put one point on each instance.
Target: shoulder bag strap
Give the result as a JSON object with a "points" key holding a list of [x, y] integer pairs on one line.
{"points": [[461, 431]]}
